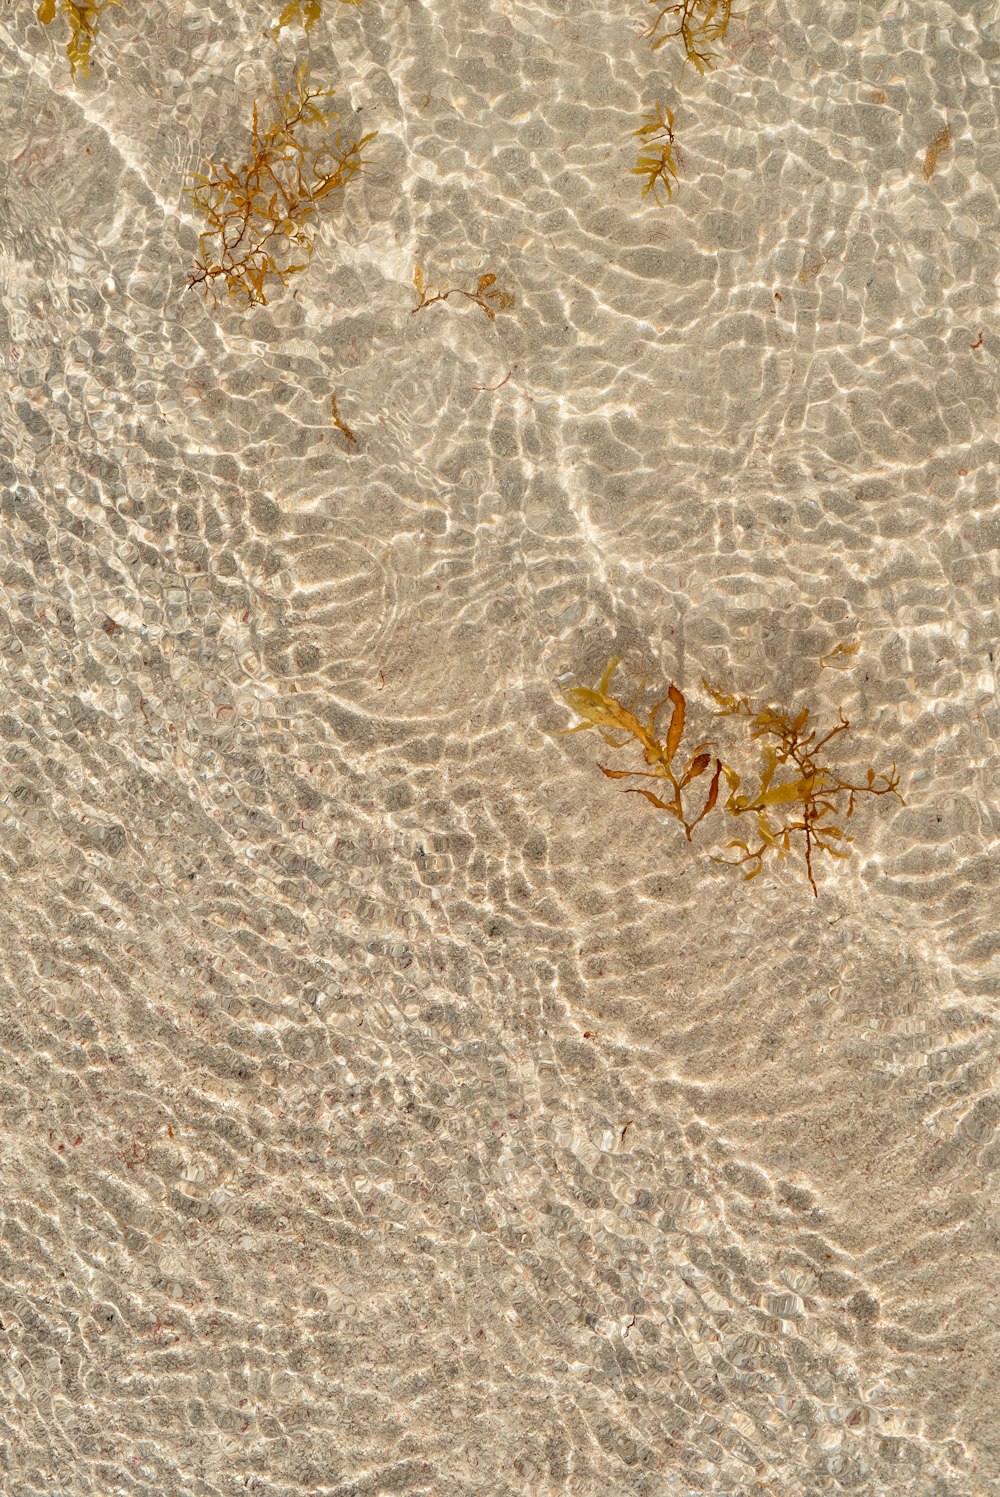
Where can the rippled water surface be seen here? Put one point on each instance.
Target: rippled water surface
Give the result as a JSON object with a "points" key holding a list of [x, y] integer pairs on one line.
{"points": [[388, 1102]]}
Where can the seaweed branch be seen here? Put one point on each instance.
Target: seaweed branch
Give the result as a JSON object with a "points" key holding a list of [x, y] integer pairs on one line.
{"points": [[610, 717], [82, 17], [304, 12], [658, 166], [698, 23], [259, 214], [486, 295], [809, 805]]}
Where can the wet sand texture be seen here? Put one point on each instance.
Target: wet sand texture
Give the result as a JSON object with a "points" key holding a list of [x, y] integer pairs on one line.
{"points": [[388, 1102]]}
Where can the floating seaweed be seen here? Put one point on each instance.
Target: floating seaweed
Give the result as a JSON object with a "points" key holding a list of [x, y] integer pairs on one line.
{"points": [[339, 422], [937, 147], [658, 166], [304, 13], [486, 295], [610, 717], [810, 806], [82, 18], [260, 213], [802, 806], [698, 23]]}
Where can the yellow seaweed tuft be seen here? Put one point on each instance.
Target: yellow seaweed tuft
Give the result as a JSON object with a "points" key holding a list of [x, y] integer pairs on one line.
{"points": [[811, 801], [82, 18], [604, 712], [305, 13]]}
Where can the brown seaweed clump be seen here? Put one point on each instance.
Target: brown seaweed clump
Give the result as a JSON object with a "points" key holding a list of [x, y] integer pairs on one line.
{"points": [[656, 161], [486, 294], [698, 23], [798, 800], [82, 18], [260, 214]]}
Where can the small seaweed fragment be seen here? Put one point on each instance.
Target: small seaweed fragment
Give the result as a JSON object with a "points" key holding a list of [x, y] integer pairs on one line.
{"points": [[339, 422], [937, 147], [841, 652], [813, 264], [658, 166], [260, 213], [809, 804], [698, 23], [304, 12], [82, 17], [611, 717], [486, 294]]}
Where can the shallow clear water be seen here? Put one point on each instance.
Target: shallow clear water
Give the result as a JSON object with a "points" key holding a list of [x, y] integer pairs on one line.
{"points": [[388, 1102]]}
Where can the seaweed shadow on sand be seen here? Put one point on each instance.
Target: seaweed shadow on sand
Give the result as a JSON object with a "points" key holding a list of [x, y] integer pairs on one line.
{"points": [[798, 800]]}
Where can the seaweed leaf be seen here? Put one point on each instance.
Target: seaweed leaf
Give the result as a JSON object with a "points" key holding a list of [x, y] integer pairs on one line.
{"points": [[676, 730], [661, 804], [937, 147], [338, 421]]}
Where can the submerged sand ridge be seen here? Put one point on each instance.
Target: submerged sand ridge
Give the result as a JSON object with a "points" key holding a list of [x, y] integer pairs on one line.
{"points": [[389, 1103]]}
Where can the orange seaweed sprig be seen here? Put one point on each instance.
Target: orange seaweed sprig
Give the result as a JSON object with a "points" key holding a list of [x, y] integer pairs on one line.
{"points": [[698, 23], [486, 294], [305, 12], [605, 713], [657, 159]]}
